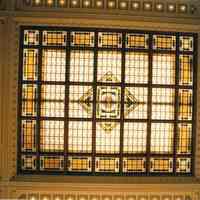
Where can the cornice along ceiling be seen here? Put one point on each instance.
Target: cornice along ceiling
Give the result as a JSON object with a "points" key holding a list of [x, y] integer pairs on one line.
{"points": [[173, 8]]}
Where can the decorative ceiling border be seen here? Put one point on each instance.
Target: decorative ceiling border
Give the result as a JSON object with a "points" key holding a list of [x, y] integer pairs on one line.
{"points": [[130, 6]]}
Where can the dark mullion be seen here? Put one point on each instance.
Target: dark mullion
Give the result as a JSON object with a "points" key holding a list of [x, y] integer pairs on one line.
{"points": [[94, 101], [66, 116], [194, 109], [39, 101], [122, 103], [176, 105], [20, 84], [149, 108]]}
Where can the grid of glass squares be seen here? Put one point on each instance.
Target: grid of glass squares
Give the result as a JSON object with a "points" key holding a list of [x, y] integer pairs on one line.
{"points": [[97, 101]]}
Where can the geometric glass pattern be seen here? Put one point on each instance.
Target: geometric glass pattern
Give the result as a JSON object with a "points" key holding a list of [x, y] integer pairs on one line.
{"points": [[96, 101]]}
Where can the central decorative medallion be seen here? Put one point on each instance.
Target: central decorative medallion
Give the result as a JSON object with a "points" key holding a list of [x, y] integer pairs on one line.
{"points": [[108, 102]]}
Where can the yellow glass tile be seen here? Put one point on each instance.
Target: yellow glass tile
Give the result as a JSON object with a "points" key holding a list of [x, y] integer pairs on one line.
{"points": [[79, 164], [107, 164], [185, 69], [137, 41], [164, 42], [110, 39], [82, 39], [54, 38], [30, 64], [134, 165], [51, 163], [161, 165]]}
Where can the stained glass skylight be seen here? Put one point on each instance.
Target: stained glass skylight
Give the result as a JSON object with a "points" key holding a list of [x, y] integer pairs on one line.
{"points": [[98, 101]]}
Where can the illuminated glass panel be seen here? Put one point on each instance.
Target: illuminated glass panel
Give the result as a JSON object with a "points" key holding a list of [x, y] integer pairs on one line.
{"points": [[106, 102], [162, 138], [186, 43], [138, 41], [135, 137], [50, 163], [52, 100], [107, 164], [51, 38], [80, 136], [31, 37], [107, 137], [28, 135], [109, 39], [79, 164], [136, 67], [185, 104], [29, 92], [186, 70], [28, 162], [183, 165], [53, 65], [134, 165], [80, 101], [109, 66], [81, 66], [30, 64], [184, 138], [52, 136], [163, 69], [164, 165], [165, 42], [163, 103], [82, 39], [135, 103]]}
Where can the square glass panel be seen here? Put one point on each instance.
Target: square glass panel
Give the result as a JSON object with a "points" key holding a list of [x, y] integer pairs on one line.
{"points": [[165, 42], [136, 40], [134, 165], [163, 165], [31, 37], [53, 65], [136, 67], [54, 38], [163, 69], [107, 164], [28, 162], [80, 38], [163, 102], [186, 43], [135, 137], [52, 136], [109, 66], [51, 163], [80, 136], [81, 66], [162, 137]]}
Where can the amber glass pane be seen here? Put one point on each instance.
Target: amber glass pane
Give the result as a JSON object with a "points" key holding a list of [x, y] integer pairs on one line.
{"points": [[161, 165], [30, 64], [107, 39], [183, 165], [51, 163], [186, 70], [134, 165], [82, 39], [29, 100], [166, 42], [54, 38], [186, 43], [28, 135], [107, 164], [139, 41], [184, 138], [28, 162], [79, 164], [185, 104]]}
